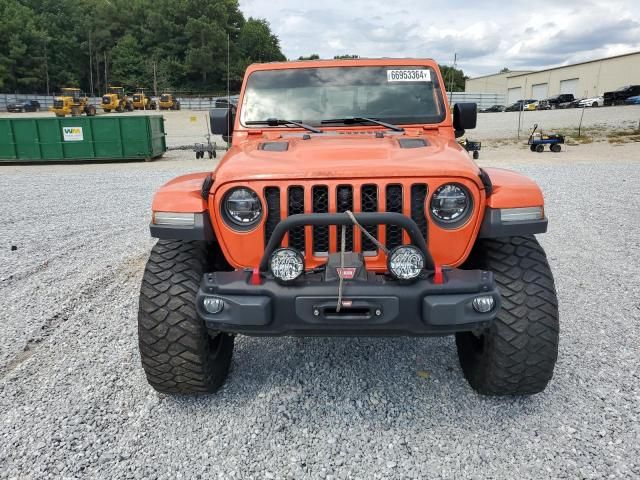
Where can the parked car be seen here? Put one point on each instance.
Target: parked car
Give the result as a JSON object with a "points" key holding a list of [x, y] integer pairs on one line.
{"points": [[556, 100], [591, 102], [574, 104], [26, 106], [633, 100], [571, 104], [618, 97], [531, 105], [493, 108], [519, 105]]}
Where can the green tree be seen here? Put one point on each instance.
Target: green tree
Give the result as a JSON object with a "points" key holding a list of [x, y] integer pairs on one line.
{"points": [[129, 67], [454, 78], [313, 56], [258, 43], [21, 48], [79, 42]]}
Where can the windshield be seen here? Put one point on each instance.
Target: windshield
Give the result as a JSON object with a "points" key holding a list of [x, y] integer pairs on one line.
{"points": [[164, 98], [393, 94]]}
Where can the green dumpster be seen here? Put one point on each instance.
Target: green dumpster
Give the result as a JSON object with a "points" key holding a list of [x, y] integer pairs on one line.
{"points": [[133, 137]]}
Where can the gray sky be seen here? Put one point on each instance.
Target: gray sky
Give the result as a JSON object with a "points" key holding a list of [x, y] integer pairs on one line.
{"points": [[487, 35]]}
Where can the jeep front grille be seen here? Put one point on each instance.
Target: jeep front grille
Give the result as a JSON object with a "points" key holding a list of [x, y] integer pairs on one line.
{"points": [[408, 199], [58, 104]]}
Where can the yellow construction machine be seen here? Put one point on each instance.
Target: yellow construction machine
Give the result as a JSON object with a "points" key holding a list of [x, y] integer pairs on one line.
{"points": [[141, 101], [116, 100], [169, 102], [72, 101]]}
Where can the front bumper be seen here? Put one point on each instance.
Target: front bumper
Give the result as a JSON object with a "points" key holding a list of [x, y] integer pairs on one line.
{"points": [[376, 306]]}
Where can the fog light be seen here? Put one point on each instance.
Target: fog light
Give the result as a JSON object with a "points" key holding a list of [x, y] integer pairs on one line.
{"points": [[213, 305], [483, 304], [286, 264], [405, 262]]}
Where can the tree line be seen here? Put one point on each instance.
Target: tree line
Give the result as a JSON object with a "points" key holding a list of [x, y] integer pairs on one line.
{"points": [[49, 44]]}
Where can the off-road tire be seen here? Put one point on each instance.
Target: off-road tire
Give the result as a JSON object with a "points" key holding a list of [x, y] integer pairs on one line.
{"points": [[555, 148], [178, 354], [517, 354], [539, 148]]}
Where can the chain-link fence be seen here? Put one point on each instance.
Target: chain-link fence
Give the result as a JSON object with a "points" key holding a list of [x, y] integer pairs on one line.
{"points": [[207, 102], [187, 102]]}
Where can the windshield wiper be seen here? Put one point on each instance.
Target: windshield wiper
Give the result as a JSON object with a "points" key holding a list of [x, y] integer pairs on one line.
{"points": [[274, 122], [348, 120]]}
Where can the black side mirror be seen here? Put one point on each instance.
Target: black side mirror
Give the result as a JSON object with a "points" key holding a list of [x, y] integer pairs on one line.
{"points": [[222, 120], [465, 116]]}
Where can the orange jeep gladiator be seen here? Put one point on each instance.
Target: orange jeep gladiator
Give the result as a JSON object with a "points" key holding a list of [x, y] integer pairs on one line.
{"points": [[346, 207]]}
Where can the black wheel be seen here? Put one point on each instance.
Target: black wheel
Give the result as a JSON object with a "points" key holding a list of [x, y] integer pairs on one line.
{"points": [[517, 354], [476, 155], [555, 148], [539, 148], [178, 354], [178, 106], [90, 111], [214, 154], [532, 148], [594, 104], [210, 155], [107, 110]]}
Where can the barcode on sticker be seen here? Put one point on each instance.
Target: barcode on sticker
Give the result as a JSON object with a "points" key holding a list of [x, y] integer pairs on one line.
{"points": [[408, 76]]}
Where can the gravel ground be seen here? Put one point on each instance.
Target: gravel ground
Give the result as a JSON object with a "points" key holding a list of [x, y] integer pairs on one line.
{"points": [[74, 402]]}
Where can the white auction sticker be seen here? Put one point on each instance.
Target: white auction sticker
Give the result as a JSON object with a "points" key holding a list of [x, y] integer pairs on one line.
{"points": [[409, 75], [72, 134]]}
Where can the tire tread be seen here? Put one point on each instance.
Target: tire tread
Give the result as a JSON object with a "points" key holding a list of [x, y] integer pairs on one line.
{"points": [[176, 350], [521, 347]]}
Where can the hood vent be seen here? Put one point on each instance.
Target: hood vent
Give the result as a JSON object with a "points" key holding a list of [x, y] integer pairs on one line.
{"points": [[412, 142], [274, 146]]}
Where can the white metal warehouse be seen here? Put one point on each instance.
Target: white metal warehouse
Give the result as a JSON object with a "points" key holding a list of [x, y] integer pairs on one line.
{"points": [[585, 79]]}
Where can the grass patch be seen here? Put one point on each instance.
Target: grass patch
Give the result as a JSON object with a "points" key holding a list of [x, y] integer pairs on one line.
{"points": [[623, 136]]}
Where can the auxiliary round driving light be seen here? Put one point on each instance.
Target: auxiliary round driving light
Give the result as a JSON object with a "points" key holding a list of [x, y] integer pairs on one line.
{"points": [[213, 305], [286, 264], [405, 262], [483, 304]]}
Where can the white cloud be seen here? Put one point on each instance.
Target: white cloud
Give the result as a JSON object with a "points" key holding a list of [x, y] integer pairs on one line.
{"points": [[486, 35]]}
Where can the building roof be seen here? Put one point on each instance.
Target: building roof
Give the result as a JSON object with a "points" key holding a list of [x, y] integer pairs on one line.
{"points": [[579, 63], [515, 72]]}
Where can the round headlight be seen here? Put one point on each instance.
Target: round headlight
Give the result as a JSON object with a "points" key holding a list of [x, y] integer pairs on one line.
{"points": [[242, 207], [286, 264], [405, 262], [450, 204]]}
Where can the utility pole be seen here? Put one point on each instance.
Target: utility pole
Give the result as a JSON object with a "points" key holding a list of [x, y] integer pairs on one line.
{"points": [[106, 78], [155, 79], [451, 76], [97, 65], [46, 66], [90, 66], [228, 94]]}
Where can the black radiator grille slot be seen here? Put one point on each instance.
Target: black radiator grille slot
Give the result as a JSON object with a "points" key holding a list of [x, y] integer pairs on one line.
{"points": [[296, 206], [418, 214], [394, 204], [344, 198], [320, 196], [272, 198], [344, 202], [369, 203]]}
